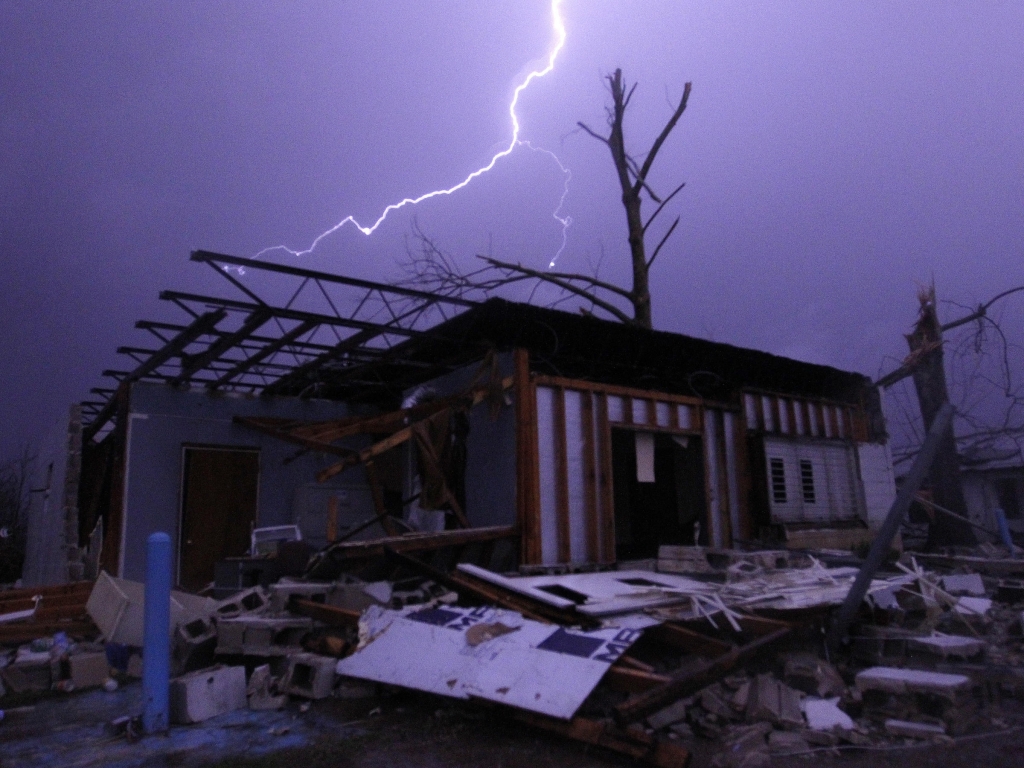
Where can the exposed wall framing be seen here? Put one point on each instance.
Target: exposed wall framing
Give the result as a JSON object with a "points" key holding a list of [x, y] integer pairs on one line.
{"points": [[566, 494], [777, 414]]}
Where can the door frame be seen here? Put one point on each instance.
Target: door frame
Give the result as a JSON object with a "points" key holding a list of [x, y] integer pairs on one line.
{"points": [[185, 448]]}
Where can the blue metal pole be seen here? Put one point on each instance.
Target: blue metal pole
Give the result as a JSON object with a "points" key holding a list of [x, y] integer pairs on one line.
{"points": [[156, 640]]}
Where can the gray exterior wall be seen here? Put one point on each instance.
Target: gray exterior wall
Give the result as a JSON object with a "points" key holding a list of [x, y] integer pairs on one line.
{"points": [[491, 450], [163, 421], [52, 535]]}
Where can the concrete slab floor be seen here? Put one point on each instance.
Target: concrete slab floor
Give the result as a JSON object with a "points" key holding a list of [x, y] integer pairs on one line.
{"points": [[69, 730]]}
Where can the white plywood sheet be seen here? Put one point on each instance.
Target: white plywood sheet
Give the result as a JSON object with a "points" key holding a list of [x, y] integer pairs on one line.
{"points": [[538, 667], [605, 593]]}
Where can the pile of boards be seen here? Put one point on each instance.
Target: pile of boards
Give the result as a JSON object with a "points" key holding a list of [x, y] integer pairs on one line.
{"points": [[703, 647]]}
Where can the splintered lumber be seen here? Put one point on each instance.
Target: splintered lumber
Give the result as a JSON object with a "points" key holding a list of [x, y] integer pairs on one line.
{"points": [[24, 631], [692, 680], [634, 741], [347, 551], [327, 614], [491, 594], [527, 606], [622, 677], [75, 593]]}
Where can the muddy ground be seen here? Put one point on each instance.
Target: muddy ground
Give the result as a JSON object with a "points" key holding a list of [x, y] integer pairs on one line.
{"points": [[418, 731]]}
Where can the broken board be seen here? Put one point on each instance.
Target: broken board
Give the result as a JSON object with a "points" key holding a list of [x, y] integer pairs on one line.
{"points": [[537, 667]]}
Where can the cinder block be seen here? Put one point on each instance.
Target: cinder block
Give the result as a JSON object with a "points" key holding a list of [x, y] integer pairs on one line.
{"points": [[206, 693], [88, 669], [283, 591], [894, 680], [261, 635], [230, 636], [261, 695], [246, 602], [309, 675], [193, 645]]}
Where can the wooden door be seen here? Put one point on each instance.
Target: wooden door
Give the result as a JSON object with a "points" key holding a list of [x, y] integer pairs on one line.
{"points": [[218, 510]]}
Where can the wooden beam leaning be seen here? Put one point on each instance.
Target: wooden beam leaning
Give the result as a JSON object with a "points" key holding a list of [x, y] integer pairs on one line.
{"points": [[692, 680], [527, 462], [633, 742]]}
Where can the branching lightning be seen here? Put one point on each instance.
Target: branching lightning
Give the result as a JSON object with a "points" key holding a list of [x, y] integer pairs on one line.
{"points": [[558, 25]]}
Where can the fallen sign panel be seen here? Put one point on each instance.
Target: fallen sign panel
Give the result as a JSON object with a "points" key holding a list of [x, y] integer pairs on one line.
{"points": [[485, 653]]}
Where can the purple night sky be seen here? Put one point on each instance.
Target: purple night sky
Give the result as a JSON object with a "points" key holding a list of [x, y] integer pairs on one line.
{"points": [[836, 156]]}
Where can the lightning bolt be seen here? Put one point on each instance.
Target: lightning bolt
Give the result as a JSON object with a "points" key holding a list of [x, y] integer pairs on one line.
{"points": [[558, 25]]}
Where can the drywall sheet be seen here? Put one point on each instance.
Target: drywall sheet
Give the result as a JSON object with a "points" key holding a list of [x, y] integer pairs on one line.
{"points": [[537, 667], [605, 593]]}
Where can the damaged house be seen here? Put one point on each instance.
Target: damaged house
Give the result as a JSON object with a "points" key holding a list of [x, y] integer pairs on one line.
{"points": [[352, 410]]}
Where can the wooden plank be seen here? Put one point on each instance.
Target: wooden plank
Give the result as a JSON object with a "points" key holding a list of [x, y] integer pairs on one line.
{"points": [[604, 451], [791, 416], [773, 404], [643, 704], [11, 634], [590, 480], [833, 422], [527, 460], [328, 614], [685, 639], [745, 480], [805, 413], [627, 410], [723, 479], [652, 412], [847, 417], [561, 477], [819, 414], [377, 492], [612, 389], [416, 542], [632, 742], [628, 680]]}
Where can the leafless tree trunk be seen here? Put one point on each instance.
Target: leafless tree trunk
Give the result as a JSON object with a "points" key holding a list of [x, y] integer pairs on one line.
{"points": [[633, 181], [429, 266], [985, 384], [929, 375]]}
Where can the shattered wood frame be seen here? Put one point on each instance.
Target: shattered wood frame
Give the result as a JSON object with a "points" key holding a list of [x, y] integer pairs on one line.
{"points": [[286, 331], [308, 333], [565, 501]]}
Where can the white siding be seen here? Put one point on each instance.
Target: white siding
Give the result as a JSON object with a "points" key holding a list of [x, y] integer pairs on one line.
{"points": [[820, 480], [878, 481]]}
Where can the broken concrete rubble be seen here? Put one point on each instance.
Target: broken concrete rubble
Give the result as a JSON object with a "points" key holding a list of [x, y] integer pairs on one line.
{"points": [[570, 653], [198, 696]]}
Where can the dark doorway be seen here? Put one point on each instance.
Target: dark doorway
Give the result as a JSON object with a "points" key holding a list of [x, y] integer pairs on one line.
{"points": [[218, 510], [665, 511]]}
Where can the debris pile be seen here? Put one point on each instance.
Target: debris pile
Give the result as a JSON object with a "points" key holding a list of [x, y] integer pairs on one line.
{"points": [[713, 649]]}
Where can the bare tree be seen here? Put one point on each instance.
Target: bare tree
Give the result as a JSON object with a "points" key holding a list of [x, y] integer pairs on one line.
{"points": [[988, 397], [428, 265]]}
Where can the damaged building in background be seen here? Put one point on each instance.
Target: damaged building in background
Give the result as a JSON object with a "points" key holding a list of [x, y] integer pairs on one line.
{"points": [[351, 410], [637, 540]]}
